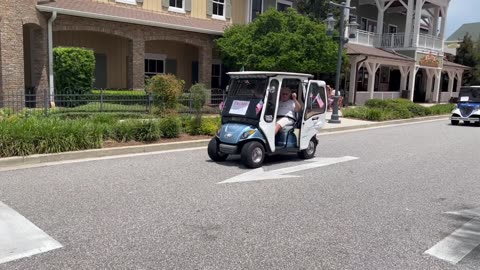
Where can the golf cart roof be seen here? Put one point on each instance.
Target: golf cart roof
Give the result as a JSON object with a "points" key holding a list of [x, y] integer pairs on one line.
{"points": [[267, 74]]}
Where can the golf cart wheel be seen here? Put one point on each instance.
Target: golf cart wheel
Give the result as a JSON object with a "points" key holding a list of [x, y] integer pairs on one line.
{"points": [[253, 154], [213, 151], [310, 151], [454, 122]]}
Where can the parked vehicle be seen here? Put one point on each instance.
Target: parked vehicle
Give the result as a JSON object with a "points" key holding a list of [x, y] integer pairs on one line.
{"points": [[468, 106], [249, 116]]}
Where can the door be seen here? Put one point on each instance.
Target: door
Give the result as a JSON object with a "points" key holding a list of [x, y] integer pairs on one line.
{"points": [[269, 113], [314, 112]]}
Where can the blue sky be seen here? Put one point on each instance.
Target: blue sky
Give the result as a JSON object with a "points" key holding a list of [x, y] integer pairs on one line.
{"points": [[460, 12]]}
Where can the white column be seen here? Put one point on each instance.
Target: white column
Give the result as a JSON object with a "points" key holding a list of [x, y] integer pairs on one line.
{"points": [[436, 87], [403, 82], [430, 76], [408, 24], [353, 80], [411, 85], [451, 78], [444, 22], [459, 81], [372, 70], [381, 12], [416, 26], [436, 17]]}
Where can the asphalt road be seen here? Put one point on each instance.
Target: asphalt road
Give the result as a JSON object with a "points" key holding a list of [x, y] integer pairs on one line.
{"points": [[165, 211]]}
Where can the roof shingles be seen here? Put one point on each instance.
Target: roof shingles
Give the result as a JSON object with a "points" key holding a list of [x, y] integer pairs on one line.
{"points": [[116, 12]]}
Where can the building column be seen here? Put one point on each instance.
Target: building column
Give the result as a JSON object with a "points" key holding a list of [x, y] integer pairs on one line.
{"points": [[408, 24], [436, 16], [12, 79], [205, 65], [40, 66], [136, 64], [444, 23], [418, 18], [430, 77], [352, 89], [451, 78], [411, 86], [436, 87], [459, 80], [404, 70], [372, 70]]}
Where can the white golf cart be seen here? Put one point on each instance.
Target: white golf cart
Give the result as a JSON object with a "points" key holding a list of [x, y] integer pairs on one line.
{"points": [[249, 115]]}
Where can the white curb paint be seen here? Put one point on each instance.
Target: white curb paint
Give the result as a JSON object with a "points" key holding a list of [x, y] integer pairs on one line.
{"points": [[260, 174], [20, 238], [461, 242]]}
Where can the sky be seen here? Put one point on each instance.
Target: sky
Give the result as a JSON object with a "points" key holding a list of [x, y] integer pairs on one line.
{"points": [[460, 12]]}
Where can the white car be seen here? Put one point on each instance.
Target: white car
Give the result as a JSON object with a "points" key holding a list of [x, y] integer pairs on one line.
{"points": [[468, 106]]}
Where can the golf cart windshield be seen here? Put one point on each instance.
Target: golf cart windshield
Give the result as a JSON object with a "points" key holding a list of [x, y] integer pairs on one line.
{"points": [[469, 94], [245, 99]]}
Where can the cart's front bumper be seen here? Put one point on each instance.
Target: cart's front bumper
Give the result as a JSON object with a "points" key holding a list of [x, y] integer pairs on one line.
{"points": [[465, 119]]}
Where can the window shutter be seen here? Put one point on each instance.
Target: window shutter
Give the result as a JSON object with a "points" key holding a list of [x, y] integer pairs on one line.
{"points": [[228, 9], [165, 3], [171, 66], [188, 5], [269, 4], [209, 7]]}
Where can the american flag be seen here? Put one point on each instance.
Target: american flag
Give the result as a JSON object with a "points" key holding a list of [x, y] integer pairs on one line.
{"points": [[319, 101], [259, 106]]}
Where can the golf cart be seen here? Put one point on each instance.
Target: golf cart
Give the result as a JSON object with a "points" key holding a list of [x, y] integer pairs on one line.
{"points": [[249, 115], [468, 106]]}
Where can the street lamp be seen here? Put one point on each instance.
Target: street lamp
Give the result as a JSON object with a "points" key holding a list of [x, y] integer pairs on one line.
{"points": [[330, 21]]}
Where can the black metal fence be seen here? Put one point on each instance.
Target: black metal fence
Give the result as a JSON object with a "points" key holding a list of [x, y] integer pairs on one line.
{"points": [[98, 101]]}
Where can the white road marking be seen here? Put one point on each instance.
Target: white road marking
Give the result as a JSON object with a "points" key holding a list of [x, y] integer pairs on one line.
{"points": [[98, 158], [20, 238], [461, 242], [260, 174]]}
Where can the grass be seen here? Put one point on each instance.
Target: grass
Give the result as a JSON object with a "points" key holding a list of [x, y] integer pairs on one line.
{"points": [[105, 107]]}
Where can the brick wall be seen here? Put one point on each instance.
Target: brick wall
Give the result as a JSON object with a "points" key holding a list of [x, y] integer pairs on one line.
{"points": [[15, 15]]}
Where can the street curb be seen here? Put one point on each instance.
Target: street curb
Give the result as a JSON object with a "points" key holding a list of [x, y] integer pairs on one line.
{"points": [[386, 123], [104, 152]]}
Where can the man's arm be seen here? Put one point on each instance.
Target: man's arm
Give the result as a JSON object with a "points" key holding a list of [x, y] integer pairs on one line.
{"points": [[298, 107]]}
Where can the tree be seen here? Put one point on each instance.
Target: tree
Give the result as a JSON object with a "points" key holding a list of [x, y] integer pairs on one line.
{"points": [[469, 55], [279, 41], [316, 9]]}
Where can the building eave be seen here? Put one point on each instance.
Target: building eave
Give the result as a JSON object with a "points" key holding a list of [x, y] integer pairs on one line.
{"points": [[92, 15]]}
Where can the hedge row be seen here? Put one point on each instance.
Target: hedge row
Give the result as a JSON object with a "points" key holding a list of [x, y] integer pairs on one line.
{"points": [[20, 136], [382, 110]]}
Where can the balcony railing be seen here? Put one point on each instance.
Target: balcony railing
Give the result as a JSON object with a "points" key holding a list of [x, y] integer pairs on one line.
{"points": [[429, 42], [396, 41], [365, 38]]}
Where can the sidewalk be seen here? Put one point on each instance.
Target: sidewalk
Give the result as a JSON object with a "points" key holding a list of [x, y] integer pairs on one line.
{"points": [[346, 124]]}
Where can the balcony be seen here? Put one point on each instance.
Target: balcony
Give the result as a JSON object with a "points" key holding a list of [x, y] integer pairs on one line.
{"points": [[396, 41]]}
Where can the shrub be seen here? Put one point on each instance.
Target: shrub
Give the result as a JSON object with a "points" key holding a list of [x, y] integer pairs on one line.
{"points": [[441, 109], [148, 131], [124, 97], [124, 131], [210, 126], [20, 137], [167, 89], [73, 69], [171, 127], [198, 94]]}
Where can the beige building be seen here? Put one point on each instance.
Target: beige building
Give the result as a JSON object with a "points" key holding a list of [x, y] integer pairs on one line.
{"points": [[131, 39]]}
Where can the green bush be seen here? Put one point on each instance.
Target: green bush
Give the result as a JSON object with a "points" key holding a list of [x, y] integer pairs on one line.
{"points": [[441, 109], [199, 97], [27, 136], [148, 131], [210, 126], [124, 97], [124, 131], [171, 127], [167, 90], [73, 69]]}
